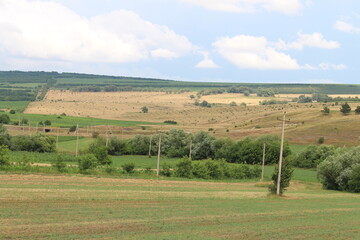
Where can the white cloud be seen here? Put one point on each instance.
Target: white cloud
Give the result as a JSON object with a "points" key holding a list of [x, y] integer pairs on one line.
{"points": [[47, 30], [207, 62], [346, 27], [288, 7], [308, 40], [330, 66], [250, 52]]}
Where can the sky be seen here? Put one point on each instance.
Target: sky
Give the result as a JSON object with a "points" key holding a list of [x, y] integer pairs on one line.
{"points": [[268, 41]]}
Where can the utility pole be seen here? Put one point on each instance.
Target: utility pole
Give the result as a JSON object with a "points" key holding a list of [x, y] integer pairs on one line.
{"points": [[107, 136], [190, 153], [281, 154], [57, 139], [263, 163], [150, 147], [77, 140], [158, 159]]}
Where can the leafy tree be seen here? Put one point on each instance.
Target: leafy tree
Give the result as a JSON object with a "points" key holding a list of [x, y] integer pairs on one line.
{"points": [[202, 146], [304, 99], [144, 110], [184, 168], [286, 175], [345, 108], [4, 118], [12, 111], [176, 143], [139, 145], [340, 171], [71, 129]]}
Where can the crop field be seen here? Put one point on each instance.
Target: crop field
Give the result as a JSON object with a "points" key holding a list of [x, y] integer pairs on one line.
{"points": [[73, 207]]}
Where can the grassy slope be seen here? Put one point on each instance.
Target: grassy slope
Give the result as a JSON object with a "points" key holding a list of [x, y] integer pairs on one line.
{"points": [[60, 207], [18, 106]]}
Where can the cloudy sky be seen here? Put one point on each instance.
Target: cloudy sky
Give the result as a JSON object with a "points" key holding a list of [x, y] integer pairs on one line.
{"points": [[303, 41]]}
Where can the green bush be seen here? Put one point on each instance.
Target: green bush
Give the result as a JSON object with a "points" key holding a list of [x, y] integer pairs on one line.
{"points": [[87, 162], [166, 170], [341, 170], [4, 118], [128, 167], [184, 168], [4, 158], [286, 174], [59, 164], [34, 143], [313, 155]]}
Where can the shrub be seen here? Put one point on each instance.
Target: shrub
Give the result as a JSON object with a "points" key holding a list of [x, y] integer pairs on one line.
{"points": [[128, 167], [47, 123], [233, 104], [12, 111], [321, 140], [170, 122], [357, 110], [144, 110], [95, 134], [101, 154], [166, 170], [184, 168], [87, 162], [4, 159], [286, 174], [326, 110], [345, 108], [72, 128], [4, 118], [59, 164]]}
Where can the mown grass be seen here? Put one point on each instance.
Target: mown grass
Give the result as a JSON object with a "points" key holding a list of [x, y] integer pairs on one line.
{"points": [[61, 207], [68, 121]]}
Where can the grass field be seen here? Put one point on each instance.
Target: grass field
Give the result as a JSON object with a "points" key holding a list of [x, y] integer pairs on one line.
{"points": [[74, 207], [68, 121], [18, 106]]}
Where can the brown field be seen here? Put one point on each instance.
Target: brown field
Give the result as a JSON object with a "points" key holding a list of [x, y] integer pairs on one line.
{"points": [[307, 123]]}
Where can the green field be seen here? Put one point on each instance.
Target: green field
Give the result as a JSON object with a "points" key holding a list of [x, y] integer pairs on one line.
{"points": [[77, 207], [68, 121], [18, 106]]}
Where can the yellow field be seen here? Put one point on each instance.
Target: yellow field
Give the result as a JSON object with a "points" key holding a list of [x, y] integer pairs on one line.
{"points": [[307, 123]]}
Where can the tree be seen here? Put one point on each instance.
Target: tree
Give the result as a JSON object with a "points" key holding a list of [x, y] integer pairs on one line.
{"points": [[286, 174], [12, 111], [345, 108], [4, 118], [4, 136], [87, 162], [144, 110]]}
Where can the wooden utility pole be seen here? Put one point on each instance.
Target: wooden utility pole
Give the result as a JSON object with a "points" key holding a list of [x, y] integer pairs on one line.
{"points": [[77, 140], [107, 136], [281, 154], [150, 147], [263, 163], [190, 153], [158, 159], [57, 139]]}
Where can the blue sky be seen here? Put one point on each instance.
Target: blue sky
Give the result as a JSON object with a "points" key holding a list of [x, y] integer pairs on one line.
{"points": [[289, 41]]}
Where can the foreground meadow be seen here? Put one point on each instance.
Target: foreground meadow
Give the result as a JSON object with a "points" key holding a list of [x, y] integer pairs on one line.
{"points": [[75, 207]]}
